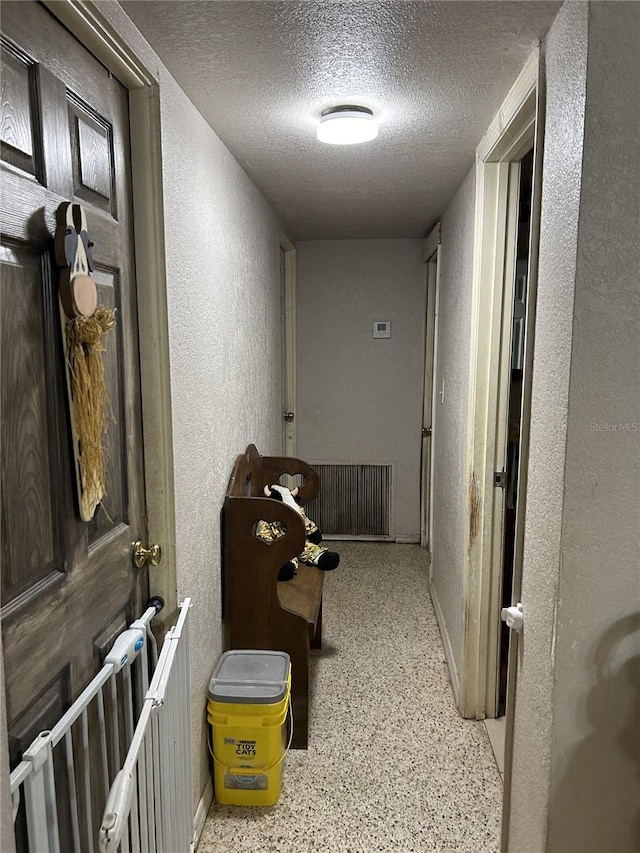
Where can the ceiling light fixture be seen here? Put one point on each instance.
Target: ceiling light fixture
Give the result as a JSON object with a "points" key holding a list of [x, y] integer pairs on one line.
{"points": [[347, 125]]}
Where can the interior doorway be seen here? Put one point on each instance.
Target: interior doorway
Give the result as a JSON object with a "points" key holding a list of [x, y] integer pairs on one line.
{"points": [[512, 135]]}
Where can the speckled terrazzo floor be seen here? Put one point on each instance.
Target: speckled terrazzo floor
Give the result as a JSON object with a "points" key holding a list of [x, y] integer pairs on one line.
{"points": [[391, 765]]}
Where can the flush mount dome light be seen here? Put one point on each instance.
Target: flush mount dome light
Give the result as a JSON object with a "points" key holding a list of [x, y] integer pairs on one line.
{"points": [[347, 125]]}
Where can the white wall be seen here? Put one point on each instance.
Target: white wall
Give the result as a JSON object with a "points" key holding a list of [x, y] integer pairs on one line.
{"points": [[576, 782], [223, 280], [450, 517], [223, 261], [360, 399]]}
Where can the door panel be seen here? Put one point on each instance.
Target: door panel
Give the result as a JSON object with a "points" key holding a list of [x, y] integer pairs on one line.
{"points": [[18, 132], [50, 705], [30, 548], [66, 584], [92, 155]]}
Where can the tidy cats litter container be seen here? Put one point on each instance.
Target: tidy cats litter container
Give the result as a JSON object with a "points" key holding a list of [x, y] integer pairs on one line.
{"points": [[248, 700]]}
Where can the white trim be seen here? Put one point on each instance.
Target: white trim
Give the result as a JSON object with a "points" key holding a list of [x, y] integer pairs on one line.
{"points": [[411, 539], [351, 537], [446, 644], [508, 137], [86, 22], [146, 167], [431, 243], [504, 128], [202, 811], [434, 408], [89, 26]]}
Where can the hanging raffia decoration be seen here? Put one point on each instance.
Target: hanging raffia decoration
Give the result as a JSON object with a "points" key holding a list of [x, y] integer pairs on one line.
{"points": [[90, 400]]}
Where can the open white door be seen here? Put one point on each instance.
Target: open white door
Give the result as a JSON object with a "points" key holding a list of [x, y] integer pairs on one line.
{"points": [[509, 168], [288, 325], [514, 374], [432, 260]]}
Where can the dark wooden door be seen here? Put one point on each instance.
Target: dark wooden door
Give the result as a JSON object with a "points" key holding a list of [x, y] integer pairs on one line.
{"points": [[67, 586]]}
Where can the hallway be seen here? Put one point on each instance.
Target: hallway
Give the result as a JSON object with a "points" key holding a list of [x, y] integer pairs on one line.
{"points": [[391, 764]]}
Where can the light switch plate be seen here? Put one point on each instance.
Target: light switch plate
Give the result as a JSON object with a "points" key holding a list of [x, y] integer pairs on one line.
{"points": [[382, 328]]}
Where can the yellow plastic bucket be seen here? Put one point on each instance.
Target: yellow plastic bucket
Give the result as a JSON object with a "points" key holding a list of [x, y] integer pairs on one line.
{"points": [[248, 701]]}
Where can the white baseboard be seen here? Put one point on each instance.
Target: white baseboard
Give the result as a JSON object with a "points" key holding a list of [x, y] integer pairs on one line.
{"points": [[412, 539], [446, 643], [201, 812]]}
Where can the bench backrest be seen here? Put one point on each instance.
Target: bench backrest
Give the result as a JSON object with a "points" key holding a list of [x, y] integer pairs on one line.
{"points": [[252, 472], [246, 477]]}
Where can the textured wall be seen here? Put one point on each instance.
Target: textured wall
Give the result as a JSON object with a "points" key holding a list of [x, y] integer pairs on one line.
{"points": [[566, 58], [595, 769], [223, 280], [450, 521], [579, 674], [360, 399]]}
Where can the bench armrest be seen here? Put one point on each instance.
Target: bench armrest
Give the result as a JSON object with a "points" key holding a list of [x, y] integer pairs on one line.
{"points": [[242, 515]]}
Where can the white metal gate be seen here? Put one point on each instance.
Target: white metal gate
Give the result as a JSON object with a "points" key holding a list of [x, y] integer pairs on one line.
{"points": [[148, 797]]}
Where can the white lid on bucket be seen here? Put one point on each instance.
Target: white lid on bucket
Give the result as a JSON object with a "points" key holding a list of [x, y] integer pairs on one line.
{"points": [[250, 676]]}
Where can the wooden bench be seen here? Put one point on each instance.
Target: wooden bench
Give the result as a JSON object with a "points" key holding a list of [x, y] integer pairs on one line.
{"points": [[261, 612]]}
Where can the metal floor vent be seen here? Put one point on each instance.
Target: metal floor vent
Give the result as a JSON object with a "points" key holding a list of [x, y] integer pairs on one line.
{"points": [[354, 501]]}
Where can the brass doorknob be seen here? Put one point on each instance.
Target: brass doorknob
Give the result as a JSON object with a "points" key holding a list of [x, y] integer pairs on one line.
{"points": [[143, 555]]}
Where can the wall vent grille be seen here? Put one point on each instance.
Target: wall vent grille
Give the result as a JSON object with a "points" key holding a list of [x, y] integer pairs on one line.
{"points": [[354, 501]]}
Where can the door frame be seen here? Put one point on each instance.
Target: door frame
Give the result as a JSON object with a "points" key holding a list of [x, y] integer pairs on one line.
{"points": [[95, 32], [289, 345], [508, 138], [431, 256]]}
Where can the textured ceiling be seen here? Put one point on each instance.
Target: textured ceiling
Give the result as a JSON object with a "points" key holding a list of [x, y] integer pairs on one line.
{"points": [[434, 75]]}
